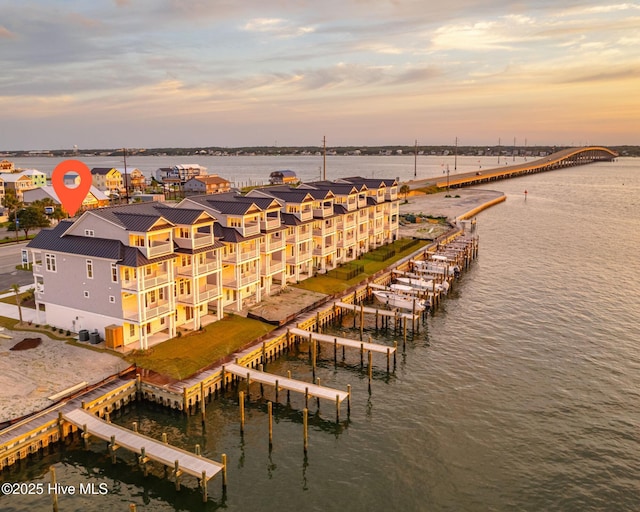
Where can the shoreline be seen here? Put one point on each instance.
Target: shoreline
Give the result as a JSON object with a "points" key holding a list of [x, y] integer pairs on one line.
{"points": [[469, 203]]}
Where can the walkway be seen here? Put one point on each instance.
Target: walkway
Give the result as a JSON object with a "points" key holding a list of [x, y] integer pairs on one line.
{"points": [[344, 342], [305, 388], [166, 454]]}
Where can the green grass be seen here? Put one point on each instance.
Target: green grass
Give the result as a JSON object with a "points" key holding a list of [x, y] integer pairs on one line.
{"points": [[183, 356], [330, 285], [12, 324], [11, 299]]}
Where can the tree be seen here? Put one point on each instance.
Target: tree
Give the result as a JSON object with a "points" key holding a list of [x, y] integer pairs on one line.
{"points": [[13, 204], [405, 189], [16, 290], [32, 216]]}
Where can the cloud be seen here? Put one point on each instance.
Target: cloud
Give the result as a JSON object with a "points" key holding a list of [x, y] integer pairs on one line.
{"points": [[276, 26], [5, 33]]}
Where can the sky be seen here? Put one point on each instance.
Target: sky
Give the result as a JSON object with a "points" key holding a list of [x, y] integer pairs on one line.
{"points": [[230, 73]]}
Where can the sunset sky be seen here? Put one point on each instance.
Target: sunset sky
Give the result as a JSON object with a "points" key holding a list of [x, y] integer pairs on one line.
{"points": [[153, 73]]}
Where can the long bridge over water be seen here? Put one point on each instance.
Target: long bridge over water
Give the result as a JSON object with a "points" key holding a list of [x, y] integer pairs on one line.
{"points": [[565, 158]]}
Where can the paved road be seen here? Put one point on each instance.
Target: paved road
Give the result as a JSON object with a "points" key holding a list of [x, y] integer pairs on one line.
{"points": [[10, 256]]}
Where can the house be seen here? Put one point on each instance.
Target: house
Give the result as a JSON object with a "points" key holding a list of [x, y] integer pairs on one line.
{"points": [[38, 178], [95, 198], [284, 177], [6, 166], [145, 270], [1, 191], [180, 172], [133, 179], [108, 179], [17, 182], [209, 184]]}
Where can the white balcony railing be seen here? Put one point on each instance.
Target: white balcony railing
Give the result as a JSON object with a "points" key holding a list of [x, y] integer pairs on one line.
{"points": [[147, 313], [159, 249]]}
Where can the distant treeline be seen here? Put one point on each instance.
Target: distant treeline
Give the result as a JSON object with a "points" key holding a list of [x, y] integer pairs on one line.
{"points": [[314, 150]]}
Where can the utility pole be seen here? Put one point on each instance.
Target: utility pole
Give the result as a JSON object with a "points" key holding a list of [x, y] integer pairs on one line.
{"points": [[514, 149], [455, 157], [415, 160], [126, 176], [498, 150], [324, 158]]}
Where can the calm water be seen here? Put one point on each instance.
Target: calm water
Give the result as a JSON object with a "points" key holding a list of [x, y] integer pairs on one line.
{"points": [[522, 394]]}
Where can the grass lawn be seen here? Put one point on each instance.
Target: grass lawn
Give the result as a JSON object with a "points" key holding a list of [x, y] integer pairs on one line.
{"points": [[330, 285], [183, 356], [11, 299]]}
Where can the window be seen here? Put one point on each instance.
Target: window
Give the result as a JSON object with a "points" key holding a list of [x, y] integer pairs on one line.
{"points": [[132, 330], [86, 294], [89, 269], [50, 262], [114, 273], [89, 232]]}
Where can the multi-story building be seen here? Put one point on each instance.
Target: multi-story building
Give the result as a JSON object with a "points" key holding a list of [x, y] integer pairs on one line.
{"points": [[108, 179], [133, 179], [17, 182], [297, 218], [38, 178], [147, 268], [150, 269]]}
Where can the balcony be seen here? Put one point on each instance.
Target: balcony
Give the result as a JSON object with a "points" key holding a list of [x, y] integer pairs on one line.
{"points": [[271, 222], [156, 249], [241, 256], [273, 244], [144, 282], [207, 267], [210, 294], [186, 270], [324, 211], [240, 283], [37, 268], [275, 267], [195, 242], [186, 298], [147, 313]]}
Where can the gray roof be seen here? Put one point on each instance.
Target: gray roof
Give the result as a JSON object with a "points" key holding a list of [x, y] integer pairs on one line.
{"points": [[134, 217], [52, 240], [101, 170]]}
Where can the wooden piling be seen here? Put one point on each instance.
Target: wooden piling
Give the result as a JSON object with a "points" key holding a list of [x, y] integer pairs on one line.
{"points": [[305, 428], [224, 470], [177, 473], [241, 403], [388, 359], [203, 483], [270, 412], [337, 408], [348, 399], [54, 494]]}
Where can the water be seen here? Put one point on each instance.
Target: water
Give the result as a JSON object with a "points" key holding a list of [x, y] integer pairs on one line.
{"points": [[245, 170], [522, 394]]}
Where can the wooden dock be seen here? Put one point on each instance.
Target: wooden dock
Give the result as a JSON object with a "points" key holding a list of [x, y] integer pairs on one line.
{"points": [[372, 311], [182, 460], [344, 342], [299, 386]]}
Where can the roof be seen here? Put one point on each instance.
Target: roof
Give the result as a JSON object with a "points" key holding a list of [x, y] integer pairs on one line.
{"points": [[13, 177], [49, 191], [102, 170], [54, 239], [283, 173], [143, 216], [210, 179]]}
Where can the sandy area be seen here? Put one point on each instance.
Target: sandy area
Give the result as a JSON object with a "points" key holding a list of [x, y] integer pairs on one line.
{"points": [[28, 377], [437, 205]]}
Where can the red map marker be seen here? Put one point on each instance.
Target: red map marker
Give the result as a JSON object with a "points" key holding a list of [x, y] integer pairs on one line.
{"points": [[71, 198]]}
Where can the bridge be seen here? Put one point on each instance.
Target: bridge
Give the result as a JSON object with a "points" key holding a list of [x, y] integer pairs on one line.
{"points": [[559, 160]]}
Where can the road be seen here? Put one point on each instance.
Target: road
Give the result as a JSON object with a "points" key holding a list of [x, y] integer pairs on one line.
{"points": [[10, 256]]}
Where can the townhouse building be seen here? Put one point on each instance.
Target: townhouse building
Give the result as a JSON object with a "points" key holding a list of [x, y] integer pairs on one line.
{"points": [[209, 184], [254, 250], [146, 269], [151, 270]]}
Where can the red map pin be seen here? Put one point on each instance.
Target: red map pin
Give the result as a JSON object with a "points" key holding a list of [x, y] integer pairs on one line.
{"points": [[71, 198]]}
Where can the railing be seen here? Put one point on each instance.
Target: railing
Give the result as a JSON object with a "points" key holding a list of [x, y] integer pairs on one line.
{"points": [[159, 248], [147, 313], [273, 245], [209, 294], [270, 223], [37, 268], [146, 282], [195, 242], [203, 268], [273, 268]]}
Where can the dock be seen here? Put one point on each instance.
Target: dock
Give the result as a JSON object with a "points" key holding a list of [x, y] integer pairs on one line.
{"points": [[299, 386], [375, 311], [344, 342], [181, 460]]}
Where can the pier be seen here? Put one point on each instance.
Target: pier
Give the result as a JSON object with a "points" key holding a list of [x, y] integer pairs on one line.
{"points": [[147, 448], [305, 388]]}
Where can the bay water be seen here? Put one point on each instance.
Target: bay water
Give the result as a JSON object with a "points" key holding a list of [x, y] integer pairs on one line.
{"points": [[522, 392]]}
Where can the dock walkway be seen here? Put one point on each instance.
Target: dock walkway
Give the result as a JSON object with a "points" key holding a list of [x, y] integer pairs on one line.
{"points": [[286, 383], [373, 311], [166, 454], [344, 342]]}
